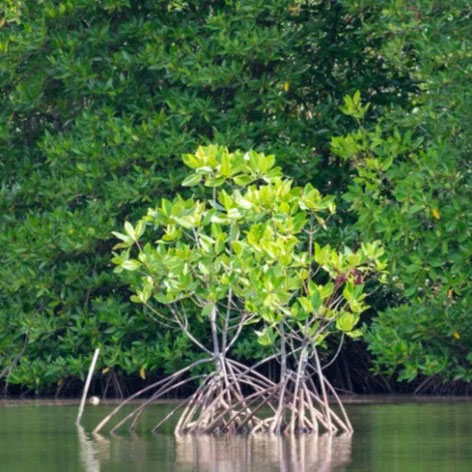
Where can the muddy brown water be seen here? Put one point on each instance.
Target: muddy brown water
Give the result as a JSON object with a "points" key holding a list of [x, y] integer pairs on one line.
{"points": [[391, 435]]}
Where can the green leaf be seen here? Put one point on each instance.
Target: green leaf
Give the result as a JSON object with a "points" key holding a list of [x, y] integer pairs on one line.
{"points": [[346, 322], [266, 337], [130, 264], [316, 301], [243, 180], [306, 304], [130, 230], [207, 310], [191, 161], [191, 180], [225, 166]]}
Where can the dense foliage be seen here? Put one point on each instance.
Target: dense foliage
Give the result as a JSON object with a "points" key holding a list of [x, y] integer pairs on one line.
{"points": [[413, 188], [100, 99], [246, 254]]}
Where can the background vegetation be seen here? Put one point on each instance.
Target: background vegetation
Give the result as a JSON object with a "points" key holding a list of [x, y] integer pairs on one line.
{"points": [[412, 189], [100, 99]]}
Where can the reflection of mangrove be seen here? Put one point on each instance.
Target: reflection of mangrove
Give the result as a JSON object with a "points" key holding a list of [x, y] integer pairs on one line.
{"points": [[130, 452], [214, 453], [263, 452], [92, 450]]}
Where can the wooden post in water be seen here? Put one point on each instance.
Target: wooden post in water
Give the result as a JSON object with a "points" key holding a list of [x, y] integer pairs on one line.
{"points": [[87, 385]]}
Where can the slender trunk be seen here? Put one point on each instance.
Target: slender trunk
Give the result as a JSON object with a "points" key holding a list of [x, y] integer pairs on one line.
{"points": [[224, 340], [275, 428], [214, 332], [299, 378], [323, 391]]}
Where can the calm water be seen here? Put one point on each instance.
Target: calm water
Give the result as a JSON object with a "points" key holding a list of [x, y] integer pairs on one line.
{"points": [[390, 437]]}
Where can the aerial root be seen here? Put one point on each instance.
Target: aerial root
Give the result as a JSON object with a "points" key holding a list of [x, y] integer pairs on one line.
{"points": [[232, 399], [301, 409], [217, 406], [164, 386], [220, 406]]}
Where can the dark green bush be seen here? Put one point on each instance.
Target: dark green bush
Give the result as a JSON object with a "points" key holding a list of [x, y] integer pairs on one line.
{"points": [[100, 99], [413, 189]]}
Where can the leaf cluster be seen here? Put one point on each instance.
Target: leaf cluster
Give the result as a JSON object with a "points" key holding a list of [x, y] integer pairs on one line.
{"points": [[247, 254]]}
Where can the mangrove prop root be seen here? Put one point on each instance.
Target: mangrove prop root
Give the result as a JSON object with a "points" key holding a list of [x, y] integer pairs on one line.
{"points": [[232, 398], [176, 375]]}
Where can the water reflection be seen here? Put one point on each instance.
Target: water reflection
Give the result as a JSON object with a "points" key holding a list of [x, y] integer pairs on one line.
{"points": [[263, 453], [92, 450], [411, 437]]}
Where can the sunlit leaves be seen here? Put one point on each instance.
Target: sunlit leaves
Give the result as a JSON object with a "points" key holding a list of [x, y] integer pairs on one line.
{"points": [[192, 179], [215, 165], [346, 322], [266, 337], [252, 242], [353, 106]]}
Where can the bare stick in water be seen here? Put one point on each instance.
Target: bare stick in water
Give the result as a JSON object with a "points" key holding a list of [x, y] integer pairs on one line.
{"points": [[87, 384]]}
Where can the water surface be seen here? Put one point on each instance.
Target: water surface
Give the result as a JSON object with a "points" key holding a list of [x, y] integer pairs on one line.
{"points": [[392, 437]]}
